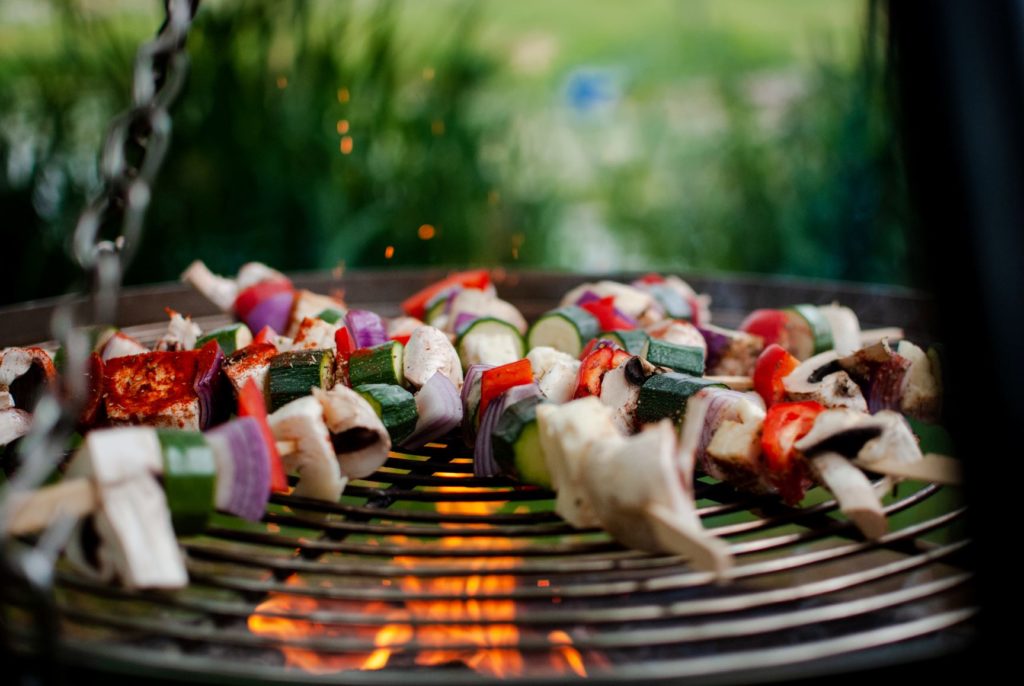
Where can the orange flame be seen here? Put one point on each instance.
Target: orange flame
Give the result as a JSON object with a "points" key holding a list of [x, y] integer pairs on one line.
{"points": [[493, 643]]}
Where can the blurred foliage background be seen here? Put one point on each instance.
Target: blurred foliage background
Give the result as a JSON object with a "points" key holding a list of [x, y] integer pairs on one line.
{"points": [[582, 134]]}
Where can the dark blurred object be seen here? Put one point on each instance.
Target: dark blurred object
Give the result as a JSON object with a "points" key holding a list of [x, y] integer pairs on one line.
{"points": [[961, 75]]}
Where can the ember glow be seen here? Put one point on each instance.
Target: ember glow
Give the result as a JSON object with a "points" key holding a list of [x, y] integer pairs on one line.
{"points": [[488, 648]]}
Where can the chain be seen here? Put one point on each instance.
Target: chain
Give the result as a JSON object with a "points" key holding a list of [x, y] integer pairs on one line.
{"points": [[104, 241]]}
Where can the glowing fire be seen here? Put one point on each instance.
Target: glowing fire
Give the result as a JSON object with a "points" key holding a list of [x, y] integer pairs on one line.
{"points": [[493, 644]]}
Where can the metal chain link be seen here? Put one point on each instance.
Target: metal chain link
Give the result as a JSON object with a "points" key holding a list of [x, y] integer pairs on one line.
{"points": [[103, 244]]}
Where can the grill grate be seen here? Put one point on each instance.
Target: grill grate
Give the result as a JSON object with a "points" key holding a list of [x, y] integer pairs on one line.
{"points": [[424, 565]]}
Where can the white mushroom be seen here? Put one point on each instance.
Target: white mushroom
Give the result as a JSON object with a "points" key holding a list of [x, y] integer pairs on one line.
{"points": [[14, 424], [639, 491], [484, 304], [429, 350], [555, 372], [359, 438], [820, 378], [302, 421], [220, 291], [133, 522], [568, 434]]}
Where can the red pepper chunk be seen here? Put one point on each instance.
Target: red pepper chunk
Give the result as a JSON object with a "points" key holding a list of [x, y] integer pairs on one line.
{"points": [[266, 335], [494, 382], [607, 316], [604, 357], [773, 365], [251, 404], [402, 338], [784, 425], [343, 341], [416, 305], [652, 277]]}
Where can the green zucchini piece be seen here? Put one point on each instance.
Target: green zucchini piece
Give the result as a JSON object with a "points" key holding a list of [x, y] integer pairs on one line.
{"points": [[821, 330], [568, 329], [379, 364], [294, 374], [671, 300], [489, 332], [190, 478], [632, 341], [516, 441], [666, 395], [331, 316], [435, 308], [687, 359], [395, 406], [230, 338]]}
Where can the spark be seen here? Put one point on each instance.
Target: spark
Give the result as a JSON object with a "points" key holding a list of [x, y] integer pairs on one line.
{"points": [[346, 145], [426, 232], [343, 126], [282, 82], [343, 95], [389, 252]]}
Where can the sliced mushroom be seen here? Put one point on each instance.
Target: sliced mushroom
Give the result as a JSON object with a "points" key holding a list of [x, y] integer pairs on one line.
{"points": [[360, 440], [921, 394], [133, 535], [621, 394], [484, 304], [845, 328], [643, 500], [821, 378], [25, 373], [14, 424], [428, 351], [220, 291], [568, 434], [302, 421]]}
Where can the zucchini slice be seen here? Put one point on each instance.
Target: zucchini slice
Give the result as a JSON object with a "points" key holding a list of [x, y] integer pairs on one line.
{"points": [[688, 359], [293, 375], [190, 478], [672, 301], [632, 341], [666, 395], [568, 329], [230, 338], [379, 364], [810, 332], [395, 406], [489, 340], [516, 441]]}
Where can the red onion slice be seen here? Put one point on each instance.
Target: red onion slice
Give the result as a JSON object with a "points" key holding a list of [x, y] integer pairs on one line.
{"points": [[718, 344], [484, 463], [273, 311], [243, 468], [471, 400], [463, 320], [367, 328], [440, 411], [210, 386], [720, 404]]}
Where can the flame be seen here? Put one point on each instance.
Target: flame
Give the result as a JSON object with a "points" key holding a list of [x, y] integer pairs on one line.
{"points": [[492, 643]]}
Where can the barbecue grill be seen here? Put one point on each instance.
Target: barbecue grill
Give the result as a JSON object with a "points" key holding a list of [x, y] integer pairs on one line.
{"points": [[424, 572]]}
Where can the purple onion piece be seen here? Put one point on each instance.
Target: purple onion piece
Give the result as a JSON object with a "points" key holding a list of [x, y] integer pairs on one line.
{"points": [[718, 344], [440, 411], [274, 311], [484, 463], [622, 315], [367, 328], [587, 296], [450, 300], [463, 320], [211, 387], [249, 470], [471, 399]]}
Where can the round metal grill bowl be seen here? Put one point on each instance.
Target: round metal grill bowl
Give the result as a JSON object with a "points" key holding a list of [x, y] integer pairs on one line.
{"points": [[427, 574]]}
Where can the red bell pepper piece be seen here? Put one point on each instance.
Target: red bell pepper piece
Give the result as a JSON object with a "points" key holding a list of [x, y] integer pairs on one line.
{"points": [[251, 404], [604, 357], [494, 382], [694, 304], [402, 338], [607, 316], [784, 425], [769, 325], [773, 365], [92, 411], [257, 293], [266, 335], [651, 278], [344, 343], [416, 305]]}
